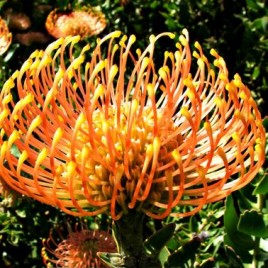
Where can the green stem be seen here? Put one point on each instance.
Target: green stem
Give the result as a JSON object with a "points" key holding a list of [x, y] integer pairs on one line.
{"points": [[129, 236], [255, 263]]}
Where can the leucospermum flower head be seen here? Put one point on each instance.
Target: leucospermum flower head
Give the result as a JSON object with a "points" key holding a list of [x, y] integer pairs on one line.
{"points": [[115, 133], [5, 37], [78, 249], [85, 22]]}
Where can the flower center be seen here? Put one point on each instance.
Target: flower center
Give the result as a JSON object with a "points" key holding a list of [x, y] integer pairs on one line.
{"points": [[117, 155]]}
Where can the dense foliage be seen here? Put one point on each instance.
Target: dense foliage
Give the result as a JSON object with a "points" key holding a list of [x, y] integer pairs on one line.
{"points": [[230, 233]]}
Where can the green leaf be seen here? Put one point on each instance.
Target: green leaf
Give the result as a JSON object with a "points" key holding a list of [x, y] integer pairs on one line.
{"points": [[240, 242], [265, 123], [183, 254], [234, 258], [209, 263], [260, 23], [163, 256], [193, 225], [262, 255], [112, 260], [253, 5], [252, 223], [158, 240], [256, 72], [262, 186]]}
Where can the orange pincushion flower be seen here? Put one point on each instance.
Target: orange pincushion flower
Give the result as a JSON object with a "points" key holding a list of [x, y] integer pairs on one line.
{"points": [[78, 250], [85, 23], [115, 133], [5, 37]]}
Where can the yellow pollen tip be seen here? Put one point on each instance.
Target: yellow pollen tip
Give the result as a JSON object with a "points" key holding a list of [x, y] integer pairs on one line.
{"points": [[80, 120], [28, 99], [15, 74], [46, 60], [156, 144], [237, 77], [3, 116], [138, 52], [196, 55], [218, 101], [185, 31], [259, 149], [200, 63], [238, 83], [134, 106], [58, 76], [150, 150], [214, 53], [35, 123], [4, 149], [78, 61], [150, 89], [235, 137], [166, 53], [71, 166], [13, 137], [26, 65], [115, 34], [23, 157], [98, 92], [183, 40], [35, 64], [42, 156], [178, 45], [185, 112], [258, 140], [101, 65], [122, 41], [114, 70], [171, 35], [115, 48], [85, 153], [132, 39], [145, 62], [57, 136], [176, 155], [7, 99], [35, 54], [162, 73], [85, 48], [2, 133], [242, 95], [9, 84], [105, 127], [190, 94], [197, 45], [74, 39], [223, 77], [152, 38]]}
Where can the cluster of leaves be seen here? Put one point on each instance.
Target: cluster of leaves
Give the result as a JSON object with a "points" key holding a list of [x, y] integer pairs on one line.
{"points": [[230, 234], [23, 225]]}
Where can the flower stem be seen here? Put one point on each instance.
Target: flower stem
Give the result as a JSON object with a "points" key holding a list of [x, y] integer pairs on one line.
{"points": [[129, 236]]}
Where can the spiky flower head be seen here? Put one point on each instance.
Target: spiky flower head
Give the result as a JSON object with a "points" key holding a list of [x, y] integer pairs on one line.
{"points": [[114, 132], [5, 37], [78, 249], [85, 22]]}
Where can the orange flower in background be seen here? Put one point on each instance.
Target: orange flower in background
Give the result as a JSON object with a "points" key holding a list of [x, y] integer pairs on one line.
{"points": [[115, 132], [79, 249], [18, 20], [5, 37], [85, 22]]}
